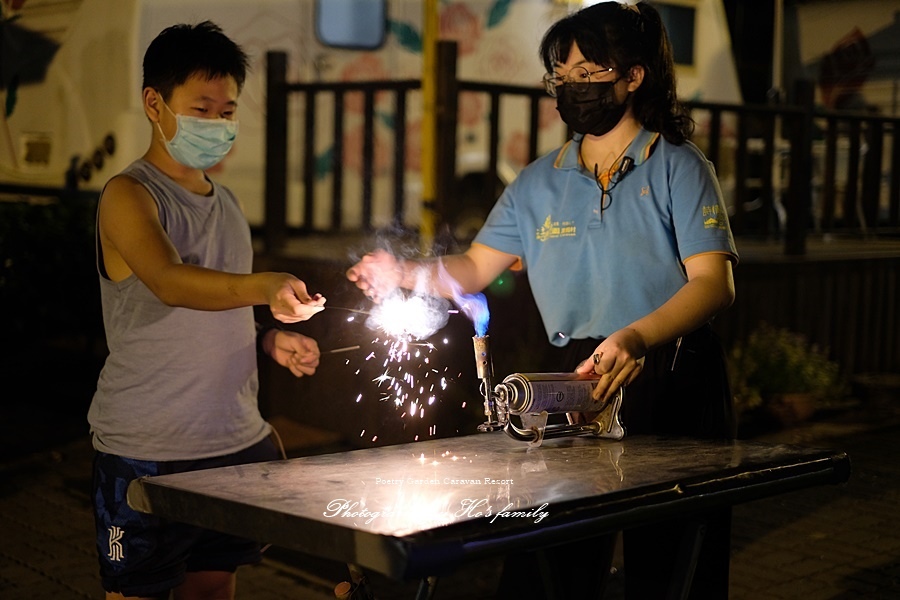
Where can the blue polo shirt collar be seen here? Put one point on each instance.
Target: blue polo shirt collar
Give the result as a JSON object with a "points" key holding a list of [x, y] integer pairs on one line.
{"points": [[639, 149]]}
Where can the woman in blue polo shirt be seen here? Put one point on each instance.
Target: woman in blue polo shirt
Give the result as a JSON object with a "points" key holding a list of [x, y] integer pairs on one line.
{"points": [[627, 219], [625, 239]]}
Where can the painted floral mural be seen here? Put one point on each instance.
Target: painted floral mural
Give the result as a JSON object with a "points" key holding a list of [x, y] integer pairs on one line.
{"points": [[466, 23]]}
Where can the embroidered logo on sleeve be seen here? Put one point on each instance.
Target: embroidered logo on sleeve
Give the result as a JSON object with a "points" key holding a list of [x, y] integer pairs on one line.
{"points": [[714, 218], [555, 229], [116, 552]]}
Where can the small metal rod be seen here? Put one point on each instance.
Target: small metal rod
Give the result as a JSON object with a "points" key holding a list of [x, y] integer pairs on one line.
{"points": [[339, 350], [451, 311], [677, 349], [355, 310]]}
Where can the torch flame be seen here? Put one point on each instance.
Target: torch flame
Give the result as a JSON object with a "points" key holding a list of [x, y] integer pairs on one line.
{"points": [[473, 306]]}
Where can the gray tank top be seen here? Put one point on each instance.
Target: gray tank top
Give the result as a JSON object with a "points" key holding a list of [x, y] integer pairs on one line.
{"points": [[179, 383]]}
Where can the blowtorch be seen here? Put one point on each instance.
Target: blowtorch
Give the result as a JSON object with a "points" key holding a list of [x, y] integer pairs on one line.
{"points": [[533, 397]]}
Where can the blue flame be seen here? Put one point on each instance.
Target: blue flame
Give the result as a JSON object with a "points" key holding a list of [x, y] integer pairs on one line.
{"points": [[475, 307]]}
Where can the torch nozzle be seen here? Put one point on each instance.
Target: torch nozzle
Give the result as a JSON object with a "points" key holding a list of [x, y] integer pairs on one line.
{"points": [[484, 368]]}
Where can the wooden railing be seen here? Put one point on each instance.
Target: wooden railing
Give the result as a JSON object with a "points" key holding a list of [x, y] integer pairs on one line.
{"points": [[787, 171], [796, 169], [279, 153]]}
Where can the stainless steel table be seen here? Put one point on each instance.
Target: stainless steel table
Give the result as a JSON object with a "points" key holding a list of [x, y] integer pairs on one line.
{"points": [[423, 509]]}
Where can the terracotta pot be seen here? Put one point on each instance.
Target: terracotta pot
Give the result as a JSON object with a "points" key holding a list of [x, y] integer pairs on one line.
{"points": [[792, 408]]}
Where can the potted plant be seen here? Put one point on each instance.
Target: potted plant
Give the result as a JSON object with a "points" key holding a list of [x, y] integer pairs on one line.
{"points": [[779, 372]]}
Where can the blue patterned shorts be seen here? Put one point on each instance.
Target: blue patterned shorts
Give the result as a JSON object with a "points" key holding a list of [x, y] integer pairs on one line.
{"points": [[143, 555]]}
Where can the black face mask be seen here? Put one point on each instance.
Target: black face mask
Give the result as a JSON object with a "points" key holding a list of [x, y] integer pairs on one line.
{"points": [[590, 108]]}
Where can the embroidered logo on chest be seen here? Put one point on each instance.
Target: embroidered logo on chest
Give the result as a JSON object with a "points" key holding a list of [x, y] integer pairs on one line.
{"points": [[555, 229]]}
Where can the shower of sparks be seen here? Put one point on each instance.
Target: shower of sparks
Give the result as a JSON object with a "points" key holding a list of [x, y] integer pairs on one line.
{"points": [[407, 376], [406, 319]]}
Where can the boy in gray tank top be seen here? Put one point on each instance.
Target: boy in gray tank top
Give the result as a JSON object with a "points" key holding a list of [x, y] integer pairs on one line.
{"points": [[178, 391]]}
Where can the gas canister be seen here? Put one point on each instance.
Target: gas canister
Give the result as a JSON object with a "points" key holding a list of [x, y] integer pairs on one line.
{"points": [[527, 393]]}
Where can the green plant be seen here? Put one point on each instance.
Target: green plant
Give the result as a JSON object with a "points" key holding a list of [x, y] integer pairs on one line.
{"points": [[773, 362]]}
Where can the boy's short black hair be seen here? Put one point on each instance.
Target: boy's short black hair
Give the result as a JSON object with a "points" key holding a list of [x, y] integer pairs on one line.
{"points": [[181, 51]]}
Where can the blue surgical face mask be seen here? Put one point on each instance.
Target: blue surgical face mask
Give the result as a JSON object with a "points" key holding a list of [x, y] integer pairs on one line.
{"points": [[200, 143]]}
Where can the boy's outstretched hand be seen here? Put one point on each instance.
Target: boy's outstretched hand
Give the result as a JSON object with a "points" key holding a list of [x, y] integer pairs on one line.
{"points": [[290, 302]]}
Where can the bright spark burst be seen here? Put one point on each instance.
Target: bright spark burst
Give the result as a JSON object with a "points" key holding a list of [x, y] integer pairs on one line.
{"points": [[403, 316], [407, 378]]}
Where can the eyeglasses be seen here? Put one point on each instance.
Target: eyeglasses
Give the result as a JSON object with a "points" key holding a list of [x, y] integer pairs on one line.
{"points": [[552, 81], [606, 192]]}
